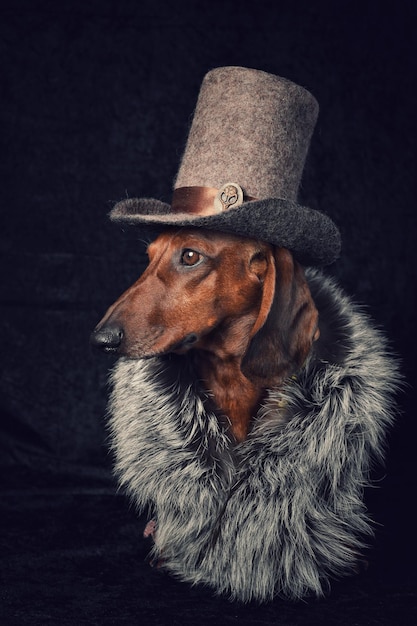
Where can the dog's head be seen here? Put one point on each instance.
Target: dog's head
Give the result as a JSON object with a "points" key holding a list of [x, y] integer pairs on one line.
{"points": [[217, 292]]}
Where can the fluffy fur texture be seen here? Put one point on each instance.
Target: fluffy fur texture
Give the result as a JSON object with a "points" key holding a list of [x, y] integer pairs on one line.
{"points": [[254, 129], [282, 512]]}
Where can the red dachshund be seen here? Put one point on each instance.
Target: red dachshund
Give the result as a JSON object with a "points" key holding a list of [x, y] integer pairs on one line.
{"points": [[243, 307]]}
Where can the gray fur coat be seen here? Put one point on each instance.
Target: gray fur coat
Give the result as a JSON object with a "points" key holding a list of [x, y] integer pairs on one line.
{"points": [[282, 512]]}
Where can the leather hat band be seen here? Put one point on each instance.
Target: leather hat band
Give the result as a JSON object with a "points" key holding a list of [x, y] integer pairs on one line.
{"points": [[208, 200]]}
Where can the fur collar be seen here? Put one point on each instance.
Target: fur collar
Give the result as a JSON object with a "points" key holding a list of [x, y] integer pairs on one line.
{"points": [[282, 512]]}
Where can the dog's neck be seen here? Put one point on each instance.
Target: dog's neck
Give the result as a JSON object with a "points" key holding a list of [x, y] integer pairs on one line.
{"points": [[219, 360], [234, 395]]}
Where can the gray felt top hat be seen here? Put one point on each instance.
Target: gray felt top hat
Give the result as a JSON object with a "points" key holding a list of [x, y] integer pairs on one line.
{"points": [[242, 167]]}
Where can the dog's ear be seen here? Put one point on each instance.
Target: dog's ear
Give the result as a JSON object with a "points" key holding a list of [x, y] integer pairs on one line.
{"points": [[287, 322]]}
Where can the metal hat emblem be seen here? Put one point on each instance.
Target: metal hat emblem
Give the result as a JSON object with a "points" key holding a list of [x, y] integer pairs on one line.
{"points": [[229, 195]]}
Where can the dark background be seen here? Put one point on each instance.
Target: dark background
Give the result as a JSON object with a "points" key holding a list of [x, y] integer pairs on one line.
{"points": [[97, 98]]}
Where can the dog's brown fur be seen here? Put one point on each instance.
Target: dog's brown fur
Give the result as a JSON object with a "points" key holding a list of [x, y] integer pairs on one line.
{"points": [[242, 305]]}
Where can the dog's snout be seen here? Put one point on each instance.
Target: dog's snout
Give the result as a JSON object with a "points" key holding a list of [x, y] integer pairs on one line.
{"points": [[107, 338]]}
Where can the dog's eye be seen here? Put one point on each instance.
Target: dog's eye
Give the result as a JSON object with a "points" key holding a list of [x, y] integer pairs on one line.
{"points": [[191, 257]]}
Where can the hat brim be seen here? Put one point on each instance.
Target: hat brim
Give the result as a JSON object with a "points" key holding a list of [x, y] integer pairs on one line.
{"points": [[311, 236]]}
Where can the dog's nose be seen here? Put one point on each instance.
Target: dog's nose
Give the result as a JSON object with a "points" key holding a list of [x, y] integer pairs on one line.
{"points": [[107, 338]]}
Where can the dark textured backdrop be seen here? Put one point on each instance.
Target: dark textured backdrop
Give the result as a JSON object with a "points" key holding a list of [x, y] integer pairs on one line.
{"points": [[97, 97]]}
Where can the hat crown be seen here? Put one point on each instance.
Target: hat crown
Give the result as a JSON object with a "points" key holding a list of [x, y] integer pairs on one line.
{"points": [[252, 128]]}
